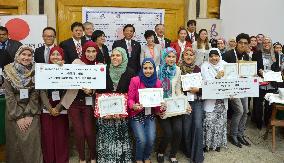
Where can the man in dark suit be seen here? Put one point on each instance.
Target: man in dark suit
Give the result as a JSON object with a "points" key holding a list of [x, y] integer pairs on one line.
{"points": [[191, 31], [160, 36], [42, 53], [132, 47], [11, 46], [88, 30], [239, 106], [5, 59], [73, 46]]}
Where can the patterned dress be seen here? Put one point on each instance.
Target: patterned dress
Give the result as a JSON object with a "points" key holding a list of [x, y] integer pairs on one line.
{"points": [[113, 141], [215, 126]]}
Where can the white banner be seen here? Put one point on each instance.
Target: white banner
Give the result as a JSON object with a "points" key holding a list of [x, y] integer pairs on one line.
{"points": [[70, 76], [25, 28], [230, 88], [112, 20], [213, 27]]}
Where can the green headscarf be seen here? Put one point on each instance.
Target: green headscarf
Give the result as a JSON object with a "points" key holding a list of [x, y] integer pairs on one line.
{"points": [[116, 72]]}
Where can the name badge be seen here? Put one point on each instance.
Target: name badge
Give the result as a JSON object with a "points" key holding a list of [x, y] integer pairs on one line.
{"points": [[89, 101], [1, 73], [55, 96], [190, 96], [147, 110], [24, 93]]}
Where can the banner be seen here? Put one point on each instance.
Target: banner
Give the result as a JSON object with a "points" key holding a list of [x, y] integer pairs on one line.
{"points": [[230, 88], [112, 20], [25, 28], [213, 27], [70, 76]]}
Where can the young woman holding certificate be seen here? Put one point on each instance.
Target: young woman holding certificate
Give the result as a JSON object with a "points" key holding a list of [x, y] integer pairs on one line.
{"points": [[142, 120], [169, 75], [113, 140], [54, 123], [215, 121], [192, 124], [23, 111], [81, 110]]}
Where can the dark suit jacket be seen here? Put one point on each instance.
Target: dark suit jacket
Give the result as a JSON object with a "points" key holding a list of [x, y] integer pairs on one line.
{"points": [[39, 55], [5, 59], [103, 56], [257, 56], [12, 47], [188, 38], [230, 56], [69, 48], [167, 41], [134, 60]]}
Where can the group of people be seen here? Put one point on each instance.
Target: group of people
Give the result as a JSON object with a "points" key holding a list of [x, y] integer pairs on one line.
{"points": [[37, 122]]}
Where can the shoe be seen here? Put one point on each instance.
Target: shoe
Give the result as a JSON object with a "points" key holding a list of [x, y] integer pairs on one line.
{"points": [[218, 149], [235, 142], [205, 149], [160, 159], [175, 161], [243, 141]]}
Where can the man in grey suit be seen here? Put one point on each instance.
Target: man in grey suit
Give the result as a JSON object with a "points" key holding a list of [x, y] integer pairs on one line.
{"points": [[11, 46]]}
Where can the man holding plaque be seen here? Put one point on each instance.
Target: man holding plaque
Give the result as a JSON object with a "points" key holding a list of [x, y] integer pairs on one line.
{"points": [[239, 106]]}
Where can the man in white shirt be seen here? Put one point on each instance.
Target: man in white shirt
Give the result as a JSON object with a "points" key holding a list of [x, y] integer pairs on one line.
{"points": [[160, 36], [88, 30]]}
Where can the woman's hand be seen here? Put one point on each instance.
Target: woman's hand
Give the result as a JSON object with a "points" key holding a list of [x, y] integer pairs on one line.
{"points": [[260, 72], [193, 90], [22, 124], [60, 63], [189, 109], [220, 74], [108, 117], [87, 91], [137, 106], [163, 109], [29, 121]]}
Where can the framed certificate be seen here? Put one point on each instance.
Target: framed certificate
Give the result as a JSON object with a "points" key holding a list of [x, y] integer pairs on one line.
{"points": [[231, 71], [191, 80], [272, 76], [176, 106], [248, 69], [111, 104], [150, 97]]}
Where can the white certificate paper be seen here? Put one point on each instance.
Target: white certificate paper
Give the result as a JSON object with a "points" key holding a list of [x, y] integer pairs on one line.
{"points": [[150, 97], [191, 80], [176, 106], [111, 105], [231, 71], [272, 76], [247, 69]]}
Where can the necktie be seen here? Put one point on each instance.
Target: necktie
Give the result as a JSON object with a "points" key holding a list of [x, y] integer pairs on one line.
{"points": [[47, 55], [3, 45], [192, 37], [162, 43], [79, 49], [129, 48]]}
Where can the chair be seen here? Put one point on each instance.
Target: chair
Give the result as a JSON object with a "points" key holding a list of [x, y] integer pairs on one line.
{"points": [[275, 122]]}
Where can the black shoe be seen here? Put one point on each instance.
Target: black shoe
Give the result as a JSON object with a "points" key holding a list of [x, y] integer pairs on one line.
{"points": [[160, 159], [176, 161], [218, 149], [205, 149], [243, 141], [235, 142]]}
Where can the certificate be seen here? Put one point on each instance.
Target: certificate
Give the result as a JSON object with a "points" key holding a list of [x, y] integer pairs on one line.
{"points": [[231, 71], [150, 97], [272, 76], [176, 106], [191, 80], [247, 69], [111, 104]]}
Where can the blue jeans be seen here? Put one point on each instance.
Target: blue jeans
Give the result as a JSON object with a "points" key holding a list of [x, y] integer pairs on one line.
{"points": [[145, 134]]}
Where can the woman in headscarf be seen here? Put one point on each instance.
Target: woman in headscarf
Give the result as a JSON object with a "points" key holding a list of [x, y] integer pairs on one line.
{"points": [[143, 125], [54, 119], [215, 121], [192, 124], [169, 75], [113, 140], [81, 112], [22, 112], [201, 47]]}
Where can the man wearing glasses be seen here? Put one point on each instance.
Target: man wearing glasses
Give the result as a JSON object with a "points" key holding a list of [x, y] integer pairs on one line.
{"points": [[42, 53], [239, 106]]}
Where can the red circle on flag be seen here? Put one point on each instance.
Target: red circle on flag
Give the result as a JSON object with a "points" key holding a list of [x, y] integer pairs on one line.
{"points": [[18, 29]]}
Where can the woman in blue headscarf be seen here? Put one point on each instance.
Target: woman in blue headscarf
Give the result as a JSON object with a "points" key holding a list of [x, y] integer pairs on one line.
{"points": [[170, 75], [143, 123]]}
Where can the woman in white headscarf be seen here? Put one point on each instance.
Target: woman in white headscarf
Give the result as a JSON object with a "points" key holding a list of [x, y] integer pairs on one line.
{"points": [[215, 121]]}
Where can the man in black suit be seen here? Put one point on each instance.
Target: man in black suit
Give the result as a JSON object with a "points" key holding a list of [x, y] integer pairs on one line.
{"points": [[239, 106], [191, 31], [11, 46], [42, 53], [132, 47], [160, 36], [88, 30], [73, 46]]}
